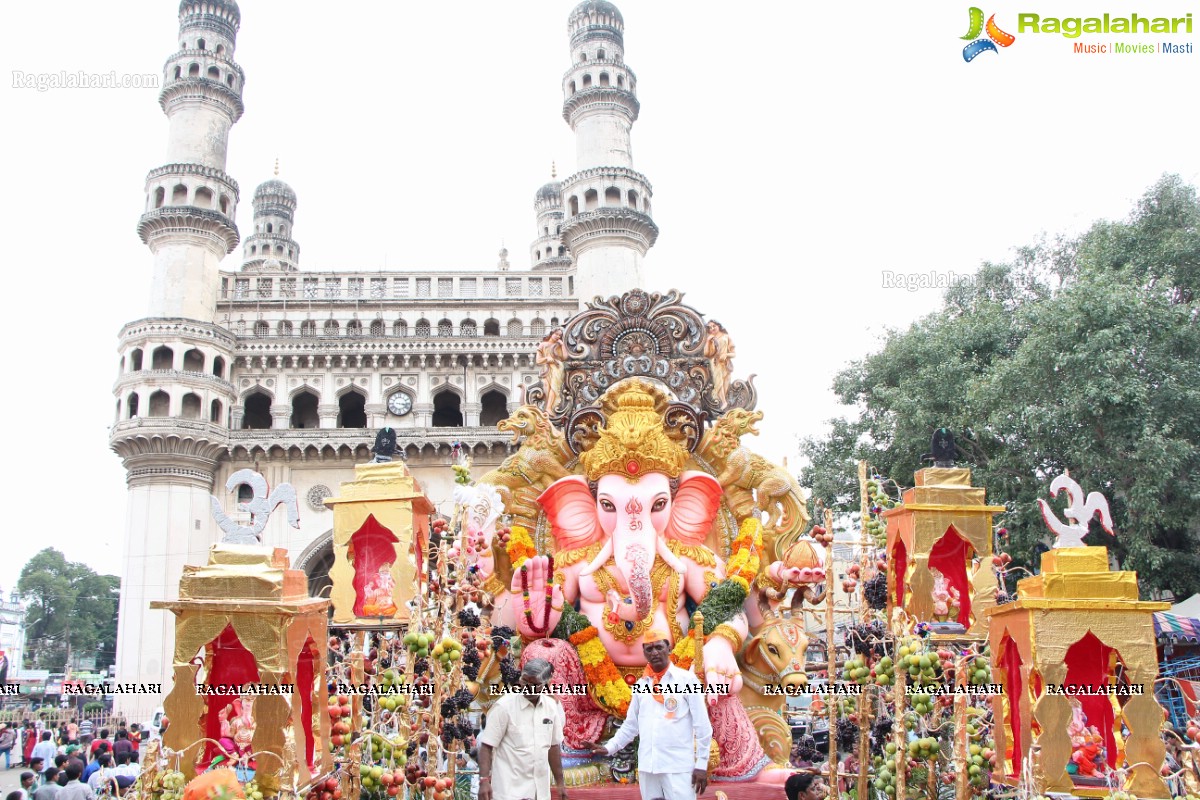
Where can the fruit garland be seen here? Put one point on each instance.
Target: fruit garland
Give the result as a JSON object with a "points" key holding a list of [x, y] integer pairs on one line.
{"points": [[880, 502]]}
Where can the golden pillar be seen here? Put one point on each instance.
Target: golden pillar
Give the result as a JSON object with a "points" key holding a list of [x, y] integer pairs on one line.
{"points": [[942, 504], [247, 606], [380, 528], [1075, 598]]}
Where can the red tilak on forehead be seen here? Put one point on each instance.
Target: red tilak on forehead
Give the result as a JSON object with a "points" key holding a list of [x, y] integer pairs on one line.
{"points": [[633, 506]]}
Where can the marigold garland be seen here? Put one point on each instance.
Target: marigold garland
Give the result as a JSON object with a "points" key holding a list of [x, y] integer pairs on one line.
{"points": [[609, 687], [520, 546]]}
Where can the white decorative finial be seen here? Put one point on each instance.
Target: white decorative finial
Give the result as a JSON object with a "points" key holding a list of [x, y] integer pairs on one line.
{"points": [[1078, 510], [553, 171], [260, 507], [277, 167]]}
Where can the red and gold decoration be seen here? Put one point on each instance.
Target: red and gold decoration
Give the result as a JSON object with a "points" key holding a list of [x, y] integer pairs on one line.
{"points": [[380, 535]]}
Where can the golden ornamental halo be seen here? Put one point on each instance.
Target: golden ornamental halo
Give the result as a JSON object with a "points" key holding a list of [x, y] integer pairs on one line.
{"points": [[634, 439]]}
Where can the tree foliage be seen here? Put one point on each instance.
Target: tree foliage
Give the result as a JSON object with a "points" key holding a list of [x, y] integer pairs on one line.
{"points": [[1080, 354], [71, 608]]}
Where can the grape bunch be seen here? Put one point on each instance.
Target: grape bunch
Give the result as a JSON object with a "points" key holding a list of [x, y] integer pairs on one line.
{"points": [[921, 703], [418, 643], [805, 749], [172, 785], [885, 671], [879, 503], [471, 663], [847, 735], [509, 672], [875, 591], [866, 639], [467, 618], [458, 702], [501, 634], [455, 729], [881, 733], [252, 791]]}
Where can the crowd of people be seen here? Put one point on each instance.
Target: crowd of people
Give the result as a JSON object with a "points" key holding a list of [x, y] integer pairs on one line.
{"points": [[74, 761]]}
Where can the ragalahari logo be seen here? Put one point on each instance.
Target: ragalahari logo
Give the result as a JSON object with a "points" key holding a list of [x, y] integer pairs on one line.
{"points": [[995, 36]]}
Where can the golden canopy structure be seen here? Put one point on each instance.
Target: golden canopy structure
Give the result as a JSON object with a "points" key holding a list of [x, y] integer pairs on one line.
{"points": [[1080, 626], [380, 528], [247, 635], [945, 525]]}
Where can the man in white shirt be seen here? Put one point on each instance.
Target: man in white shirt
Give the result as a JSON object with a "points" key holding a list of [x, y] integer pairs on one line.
{"points": [[519, 746], [45, 750], [668, 712]]}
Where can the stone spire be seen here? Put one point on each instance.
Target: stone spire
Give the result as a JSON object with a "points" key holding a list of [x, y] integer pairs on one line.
{"points": [[606, 204], [191, 203], [548, 251], [271, 247]]}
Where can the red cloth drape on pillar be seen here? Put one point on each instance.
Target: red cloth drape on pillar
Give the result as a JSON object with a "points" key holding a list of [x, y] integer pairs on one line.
{"points": [[305, 682], [1089, 663], [1014, 690], [949, 557], [371, 547], [232, 665], [899, 562]]}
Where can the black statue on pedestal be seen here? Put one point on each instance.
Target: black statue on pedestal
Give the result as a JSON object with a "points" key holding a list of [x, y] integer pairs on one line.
{"points": [[943, 450], [385, 446]]}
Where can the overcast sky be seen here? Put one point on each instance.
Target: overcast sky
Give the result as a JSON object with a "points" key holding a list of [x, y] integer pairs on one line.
{"points": [[796, 150]]}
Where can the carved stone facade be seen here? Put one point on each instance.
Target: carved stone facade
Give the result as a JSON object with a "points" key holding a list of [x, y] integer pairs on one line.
{"points": [[291, 372]]}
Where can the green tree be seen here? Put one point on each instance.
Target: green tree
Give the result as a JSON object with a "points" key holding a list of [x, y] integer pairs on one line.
{"points": [[1081, 354], [72, 612]]}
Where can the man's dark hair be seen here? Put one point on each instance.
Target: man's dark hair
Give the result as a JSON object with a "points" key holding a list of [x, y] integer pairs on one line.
{"points": [[122, 733], [60, 759], [51, 774], [124, 758], [37, 762], [26, 776], [17, 795], [103, 747], [45, 736], [104, 759], [73, 772], [798, 782], [104, 733]]}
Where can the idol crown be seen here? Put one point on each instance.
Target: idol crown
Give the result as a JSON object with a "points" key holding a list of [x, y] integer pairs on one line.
{"points": [[633, 439]]}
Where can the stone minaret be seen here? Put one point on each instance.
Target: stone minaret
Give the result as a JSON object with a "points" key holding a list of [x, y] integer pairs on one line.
{"points": [[606, 225], [271, 247], [191, 202], [173, 389], [548, 251]]}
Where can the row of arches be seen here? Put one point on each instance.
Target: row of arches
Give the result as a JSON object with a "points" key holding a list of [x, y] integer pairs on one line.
{"points": [[200, 45], [538, 255], [352, 409], [379, 328], [198, 197], [613, 196], [602, 80], [213, 73], [158, 404], [163, 357], [266, 250]]}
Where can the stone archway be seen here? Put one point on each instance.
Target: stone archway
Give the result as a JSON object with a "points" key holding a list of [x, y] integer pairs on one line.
{"points": [[316, 560]]}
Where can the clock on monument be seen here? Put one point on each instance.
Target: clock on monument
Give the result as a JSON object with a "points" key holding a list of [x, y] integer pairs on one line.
{"points": [[399, 404]]}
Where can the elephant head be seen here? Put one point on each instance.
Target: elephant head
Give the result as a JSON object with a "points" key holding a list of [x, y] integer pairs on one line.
{"points": [[634, 518]]}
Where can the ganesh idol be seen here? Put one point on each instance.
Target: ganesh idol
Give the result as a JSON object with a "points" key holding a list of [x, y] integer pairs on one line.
{"points": [[630, 536]]}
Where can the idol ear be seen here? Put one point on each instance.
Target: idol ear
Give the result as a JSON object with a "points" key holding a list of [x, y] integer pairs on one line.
{"points": [[571, 509], [694, 507]]}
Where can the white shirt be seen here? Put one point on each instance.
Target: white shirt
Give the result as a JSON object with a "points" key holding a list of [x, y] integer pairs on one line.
{"points": [[676, 733], [521, 734]]}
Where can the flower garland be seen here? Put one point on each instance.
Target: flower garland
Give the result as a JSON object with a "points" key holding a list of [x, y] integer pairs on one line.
{"points": [[538, 629], [722, 603], [607, 684], [520, 546]]}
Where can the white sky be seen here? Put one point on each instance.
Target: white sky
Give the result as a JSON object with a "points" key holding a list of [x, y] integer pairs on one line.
{"points": [[796, 151]]}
